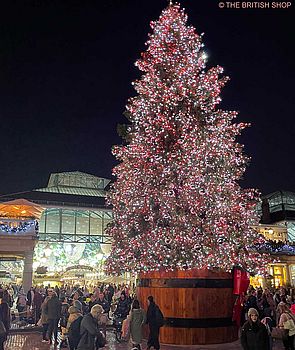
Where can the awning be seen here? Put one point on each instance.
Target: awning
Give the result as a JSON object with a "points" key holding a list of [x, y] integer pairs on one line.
{"points": [[20, 208]]}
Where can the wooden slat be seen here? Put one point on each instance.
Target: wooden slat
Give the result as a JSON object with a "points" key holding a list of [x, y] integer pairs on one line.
{"points": [[192, 303]]}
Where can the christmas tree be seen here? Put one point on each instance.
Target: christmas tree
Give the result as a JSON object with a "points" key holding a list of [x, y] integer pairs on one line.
{"points": [[177, 203]]}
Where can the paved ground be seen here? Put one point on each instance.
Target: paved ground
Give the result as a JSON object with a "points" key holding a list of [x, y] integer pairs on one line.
{"points": [[32, 341]]}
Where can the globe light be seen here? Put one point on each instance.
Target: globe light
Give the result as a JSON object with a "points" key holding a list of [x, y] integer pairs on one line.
{"points": [[47, 251], [82, 262], [99, 256]]}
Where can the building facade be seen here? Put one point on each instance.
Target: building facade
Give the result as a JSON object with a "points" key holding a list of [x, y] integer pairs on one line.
{"points": [[72, 225]]}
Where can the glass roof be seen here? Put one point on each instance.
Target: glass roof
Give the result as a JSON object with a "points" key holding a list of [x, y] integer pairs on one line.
{"points": [[76, 183], [281, 200]]}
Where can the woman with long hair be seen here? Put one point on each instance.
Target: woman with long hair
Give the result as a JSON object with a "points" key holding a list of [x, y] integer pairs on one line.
{"points": [[254, 334], [287, 318], [137, 320]]}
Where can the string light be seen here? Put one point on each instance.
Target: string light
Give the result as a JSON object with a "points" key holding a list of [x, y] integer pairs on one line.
{"points": [[177, 203]]}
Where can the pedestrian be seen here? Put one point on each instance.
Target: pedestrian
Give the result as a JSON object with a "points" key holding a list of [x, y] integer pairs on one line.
{"points": [[137, 320], [73, 325], [44, 320], [102, 301], [64, 320], [3, 330], [154, 319], [30, 297], [89, 331], [254, 334], [53, 310], [123, 306], [287, 322], [5, 310], [37, 302]]}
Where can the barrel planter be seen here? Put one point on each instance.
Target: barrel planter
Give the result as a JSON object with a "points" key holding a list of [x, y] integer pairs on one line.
{"points": [[197, 305]]}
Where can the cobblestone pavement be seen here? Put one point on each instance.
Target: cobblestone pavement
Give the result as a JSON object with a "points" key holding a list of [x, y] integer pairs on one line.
{"points": [[32, 341]]}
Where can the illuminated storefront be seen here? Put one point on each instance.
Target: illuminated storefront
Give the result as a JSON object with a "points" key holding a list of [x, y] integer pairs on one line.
{"points": [[71, 229]]}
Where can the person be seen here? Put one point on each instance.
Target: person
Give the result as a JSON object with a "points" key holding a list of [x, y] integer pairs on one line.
{"points": [[53, 310], [73, 325], [269, 324], [44, 320], [286, 315], [123, 306], [64, 320], [3, 330], [152, 319], [254, 334], [37, 301], [102, 319], [252, 301], [137, 320], [5, 310], [21, 304], [30, 297], [89, 330], [111, 292], [103, 303]]}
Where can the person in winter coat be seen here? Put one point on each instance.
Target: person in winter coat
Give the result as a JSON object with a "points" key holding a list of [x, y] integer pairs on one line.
{"points": [[37, 302], [102, 301], [75, 311], [252, 301], [64, 320], [5, 310], [44, 320], [254, 334], [123, 306], [73, 326], [53, 311], [151, 320], [3, 330], [137, 320], [21, 305], [285, 315], [89, 330]]}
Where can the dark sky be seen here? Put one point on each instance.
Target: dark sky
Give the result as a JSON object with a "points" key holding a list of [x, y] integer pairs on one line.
{"points": [[66, 69]]}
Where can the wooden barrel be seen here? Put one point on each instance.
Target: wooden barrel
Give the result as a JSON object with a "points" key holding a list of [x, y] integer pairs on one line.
{"points": [[197, 305]]}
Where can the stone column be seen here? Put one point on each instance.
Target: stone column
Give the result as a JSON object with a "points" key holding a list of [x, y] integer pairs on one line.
{"points": [[28, 271]]}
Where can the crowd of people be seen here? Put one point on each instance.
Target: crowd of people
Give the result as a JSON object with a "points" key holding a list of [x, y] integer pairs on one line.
{"points": [[78, 315], [81, 317], [267, 314]]}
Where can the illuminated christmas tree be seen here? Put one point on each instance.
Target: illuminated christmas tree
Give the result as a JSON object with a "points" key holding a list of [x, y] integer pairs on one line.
{"points": [[177, 203]]}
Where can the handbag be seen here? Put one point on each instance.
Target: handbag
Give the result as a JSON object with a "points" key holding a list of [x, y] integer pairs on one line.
{"points": [[100, 341], [279, 333]]}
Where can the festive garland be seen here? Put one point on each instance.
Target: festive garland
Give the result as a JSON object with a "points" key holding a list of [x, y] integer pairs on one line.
{"points": [[22, 227]]}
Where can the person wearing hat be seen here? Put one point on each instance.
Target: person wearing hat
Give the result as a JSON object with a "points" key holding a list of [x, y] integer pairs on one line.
{"points": [[254, 334], [73, 325]]}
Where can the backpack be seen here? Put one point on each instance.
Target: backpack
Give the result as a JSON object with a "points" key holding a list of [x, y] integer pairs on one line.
{"points": [[74, 332], [159, 317]]}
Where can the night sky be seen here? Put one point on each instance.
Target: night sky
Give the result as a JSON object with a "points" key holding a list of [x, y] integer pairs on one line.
{"points": [[66, 69]]}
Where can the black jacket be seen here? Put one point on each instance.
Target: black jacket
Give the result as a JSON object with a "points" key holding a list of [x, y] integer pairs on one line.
{"points": [[151, 316], [254, 336], [123, 308], [88, 332], [53, 308]]}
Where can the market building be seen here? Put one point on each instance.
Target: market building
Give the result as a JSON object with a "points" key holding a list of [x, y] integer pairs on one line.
{"points": [[71, 228], [58, 233], [277, 212]]}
